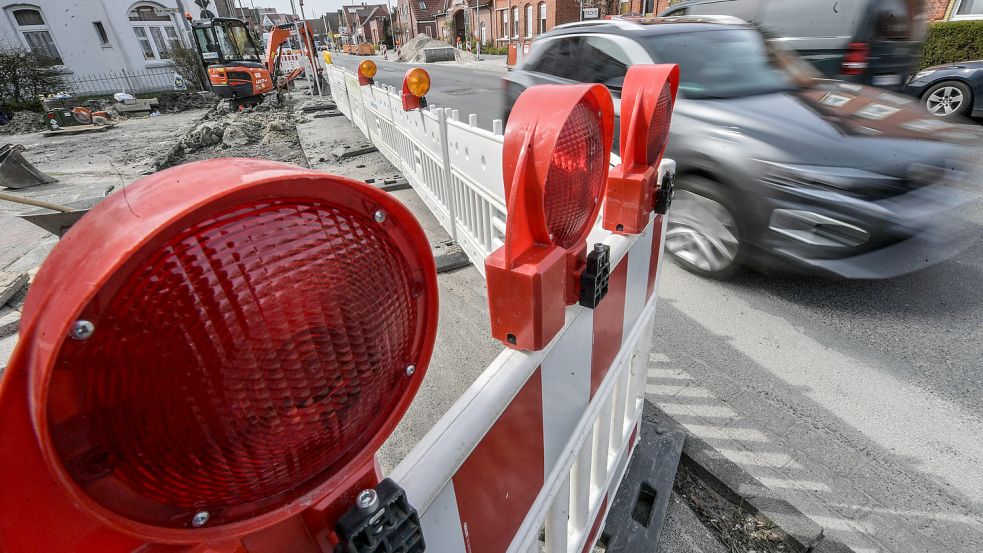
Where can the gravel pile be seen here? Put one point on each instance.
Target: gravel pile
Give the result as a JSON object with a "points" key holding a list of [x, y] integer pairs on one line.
{"points": [[24, 122], [412, 51]]}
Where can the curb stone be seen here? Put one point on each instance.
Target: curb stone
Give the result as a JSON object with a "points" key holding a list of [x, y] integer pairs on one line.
{"points": [[742, 490]]}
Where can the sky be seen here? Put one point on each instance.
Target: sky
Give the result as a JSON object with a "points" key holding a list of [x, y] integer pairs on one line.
{"points": [[312, 8]]}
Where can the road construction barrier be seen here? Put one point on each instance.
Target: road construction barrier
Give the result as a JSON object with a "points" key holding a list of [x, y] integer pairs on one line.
{"points": [[530, 457], [454, 166], [282, 320]]}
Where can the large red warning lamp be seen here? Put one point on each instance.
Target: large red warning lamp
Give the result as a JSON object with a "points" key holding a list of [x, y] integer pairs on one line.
{"points": [[555, 162], [215, 371], [648, 97]]}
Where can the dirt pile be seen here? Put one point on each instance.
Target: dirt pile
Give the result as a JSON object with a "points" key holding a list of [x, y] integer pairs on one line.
{"points": [[23, 122], [172, 103], [412, 51], [263, 132]]}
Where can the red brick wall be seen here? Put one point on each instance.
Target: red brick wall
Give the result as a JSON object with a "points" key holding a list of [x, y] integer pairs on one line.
{"points": [[935, 9]]}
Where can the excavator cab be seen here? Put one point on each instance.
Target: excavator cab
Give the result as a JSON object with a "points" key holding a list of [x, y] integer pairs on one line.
{"points": [[232, 60]]}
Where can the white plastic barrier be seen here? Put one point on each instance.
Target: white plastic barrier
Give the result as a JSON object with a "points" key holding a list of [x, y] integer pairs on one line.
{"points": [[455, 167], [538, 444]]}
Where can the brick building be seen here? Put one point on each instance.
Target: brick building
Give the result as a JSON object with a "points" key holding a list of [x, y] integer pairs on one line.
{"points": [[953, 10], [416, 17], [363, 23]]}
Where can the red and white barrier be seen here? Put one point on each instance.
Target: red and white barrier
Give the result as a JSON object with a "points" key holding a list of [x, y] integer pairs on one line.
{"points": [[542, 439]]}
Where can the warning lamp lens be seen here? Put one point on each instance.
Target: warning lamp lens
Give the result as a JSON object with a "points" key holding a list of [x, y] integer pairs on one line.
{"points": [[418, 82], [659, 126], [238, 364], [367, 69], [575, 178]]}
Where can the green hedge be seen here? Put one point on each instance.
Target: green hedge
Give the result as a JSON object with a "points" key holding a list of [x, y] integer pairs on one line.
{"points": [[952, 41]]}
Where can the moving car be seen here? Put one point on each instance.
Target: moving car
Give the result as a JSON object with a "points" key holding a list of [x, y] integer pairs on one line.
{"points": [[864, 41], [950, 90], [777, 169]]}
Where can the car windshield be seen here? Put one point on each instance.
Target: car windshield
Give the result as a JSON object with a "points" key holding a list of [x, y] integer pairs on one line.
{"points": [[726, 63]]}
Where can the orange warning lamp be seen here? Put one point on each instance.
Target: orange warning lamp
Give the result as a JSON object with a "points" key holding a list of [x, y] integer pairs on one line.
{"points": [[416, 84], [366, 72], [648, 97], [220, 369], [555, 163]]}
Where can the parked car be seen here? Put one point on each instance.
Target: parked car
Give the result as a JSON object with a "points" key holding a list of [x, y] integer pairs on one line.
{"points": [[865, 41], [775, 169], [950, 90]]}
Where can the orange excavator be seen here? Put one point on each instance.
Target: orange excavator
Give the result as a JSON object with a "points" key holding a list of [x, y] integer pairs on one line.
{"points": [[233, 62]]}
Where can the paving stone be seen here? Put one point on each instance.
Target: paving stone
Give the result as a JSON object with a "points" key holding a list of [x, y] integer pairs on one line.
{"points": [[10, 284], [9, 321]]}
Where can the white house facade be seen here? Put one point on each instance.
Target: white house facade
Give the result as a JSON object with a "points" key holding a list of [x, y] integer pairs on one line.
{"points": [[99, 36]]}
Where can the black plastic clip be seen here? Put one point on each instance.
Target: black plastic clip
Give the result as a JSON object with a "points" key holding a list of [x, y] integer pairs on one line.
{"points": [[663, 196], [382, 521], [594, 280]]}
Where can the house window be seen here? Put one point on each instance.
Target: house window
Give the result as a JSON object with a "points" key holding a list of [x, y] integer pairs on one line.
{"points": [[504, 30], [515, 21], [35, 32], [423, 5], [968, 9], [155, 33], [542, 17], [101, 32], [528, 20], [484, 33]]}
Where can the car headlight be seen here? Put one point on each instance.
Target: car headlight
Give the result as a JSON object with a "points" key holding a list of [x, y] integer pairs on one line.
{"points": [[923, 74], [841, 179]]}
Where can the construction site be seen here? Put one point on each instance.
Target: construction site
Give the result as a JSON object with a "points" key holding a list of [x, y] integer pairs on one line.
{"points": [[337, 302]]}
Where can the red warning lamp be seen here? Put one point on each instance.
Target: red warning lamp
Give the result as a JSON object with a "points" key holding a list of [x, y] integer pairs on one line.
{"points": [[218, 371], [648, 97], [555, 162], [416, 84], [366, 72]]}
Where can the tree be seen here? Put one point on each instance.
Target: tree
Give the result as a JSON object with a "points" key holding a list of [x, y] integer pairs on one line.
{"points": [[26, 76], [187, 63]]}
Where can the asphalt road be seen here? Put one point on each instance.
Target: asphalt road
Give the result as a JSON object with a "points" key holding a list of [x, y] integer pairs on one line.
{"points": [[860, 402], [473, 90]]}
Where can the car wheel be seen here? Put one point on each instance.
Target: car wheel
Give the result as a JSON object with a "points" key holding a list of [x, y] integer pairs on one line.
{"points": [[703, 235], [948, 99]]}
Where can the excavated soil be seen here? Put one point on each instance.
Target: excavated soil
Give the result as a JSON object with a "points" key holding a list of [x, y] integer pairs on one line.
{"points": [[23, 122], [266, 132]]}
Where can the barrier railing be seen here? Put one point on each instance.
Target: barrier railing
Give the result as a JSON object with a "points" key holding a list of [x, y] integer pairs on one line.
{"points": [[531, 455], [454, 166]]}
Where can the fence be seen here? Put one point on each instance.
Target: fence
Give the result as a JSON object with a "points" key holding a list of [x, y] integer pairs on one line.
{"points": [[530, 457], [154, 80]]}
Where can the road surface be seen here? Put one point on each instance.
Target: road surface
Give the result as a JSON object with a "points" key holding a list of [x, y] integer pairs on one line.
{"points": [[861, 403], [471, 91]]}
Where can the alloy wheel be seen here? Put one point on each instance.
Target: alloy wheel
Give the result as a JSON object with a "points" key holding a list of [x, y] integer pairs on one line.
{"points": [[944, 101], [702, 232]]}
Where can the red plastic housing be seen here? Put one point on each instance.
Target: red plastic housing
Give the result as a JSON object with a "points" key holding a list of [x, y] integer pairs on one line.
{"points": [[230, 337], [555, 164], [648, 97]]}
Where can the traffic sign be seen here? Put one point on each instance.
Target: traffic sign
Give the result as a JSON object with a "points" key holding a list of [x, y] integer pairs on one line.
{"points": [[592, 13]]}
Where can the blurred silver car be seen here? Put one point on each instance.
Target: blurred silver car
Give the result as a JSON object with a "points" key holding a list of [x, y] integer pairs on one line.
{"points": [[778, 169]]}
